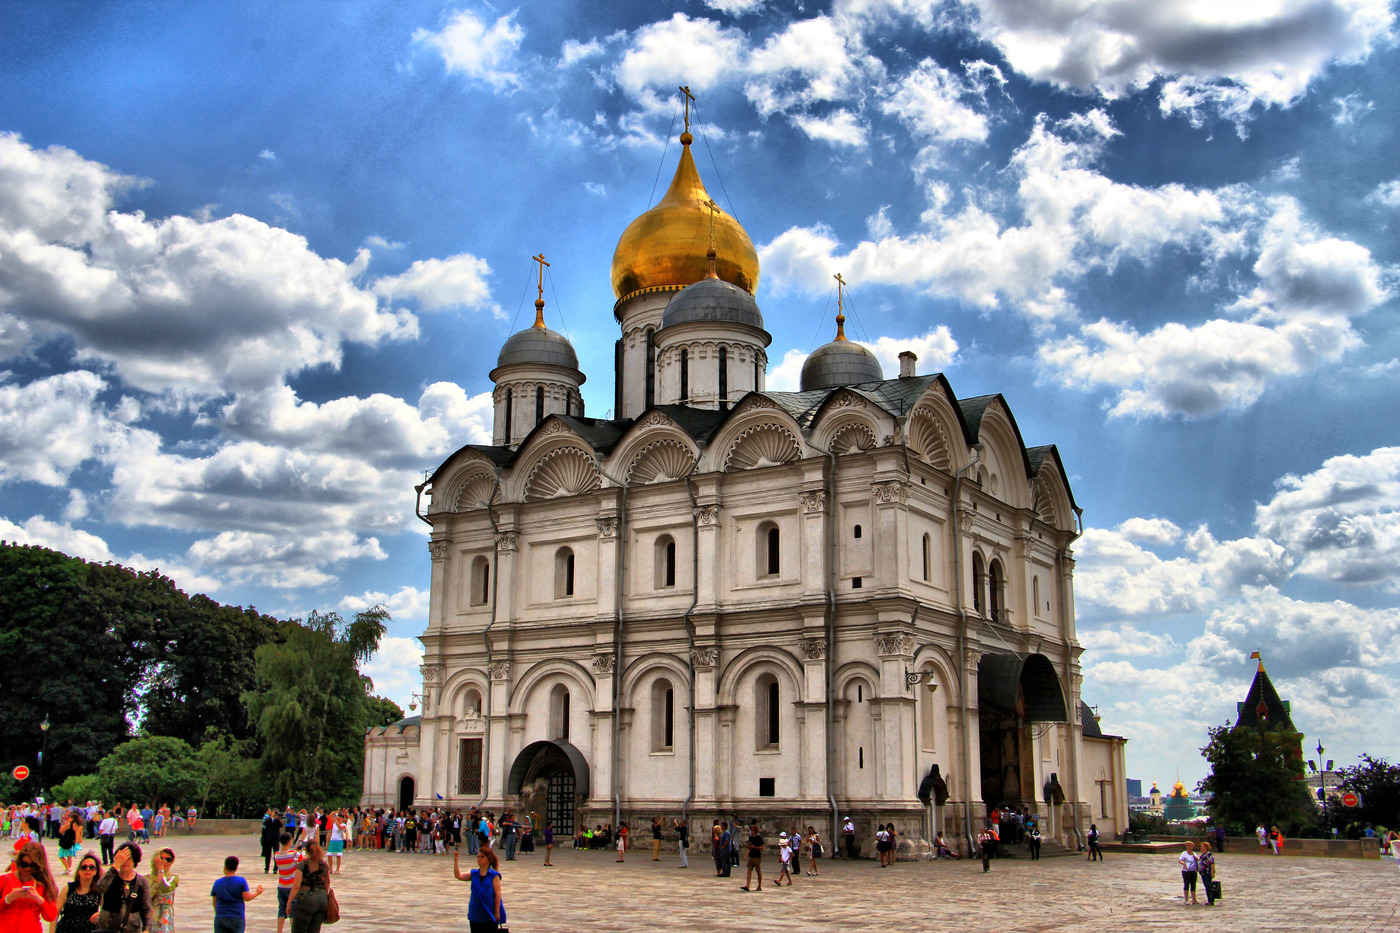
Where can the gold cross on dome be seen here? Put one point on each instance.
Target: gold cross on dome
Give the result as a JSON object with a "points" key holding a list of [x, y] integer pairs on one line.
{"points": [[840, 307], [539, 302], [688, 98]]}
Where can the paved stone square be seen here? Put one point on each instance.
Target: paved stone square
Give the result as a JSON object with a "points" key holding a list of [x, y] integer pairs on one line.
{"points": [[396, 893]]}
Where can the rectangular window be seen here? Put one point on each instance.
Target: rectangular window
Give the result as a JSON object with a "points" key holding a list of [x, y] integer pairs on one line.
{"points": [[855, 583], [469, 768], [767, 787]]}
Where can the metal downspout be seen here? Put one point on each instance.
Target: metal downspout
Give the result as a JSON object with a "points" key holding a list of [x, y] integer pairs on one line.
{"points": [[1075, 741], [486, 643], [617, 638], [958, 587], [690, 630], [829, 673]]}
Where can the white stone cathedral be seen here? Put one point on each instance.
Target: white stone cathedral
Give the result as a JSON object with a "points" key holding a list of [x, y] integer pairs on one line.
{"points": [[851, 600]]}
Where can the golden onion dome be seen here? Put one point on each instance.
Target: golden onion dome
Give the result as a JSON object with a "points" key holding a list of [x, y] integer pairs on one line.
{"points": [[666, 246]]}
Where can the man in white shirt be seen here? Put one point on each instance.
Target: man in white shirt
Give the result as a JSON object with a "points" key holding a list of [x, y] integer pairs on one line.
{"points": [[106, 835], [848, 829]]}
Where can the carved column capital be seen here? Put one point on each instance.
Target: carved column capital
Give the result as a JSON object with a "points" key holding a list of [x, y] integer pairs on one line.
{"points": [[898, 644], [890, 491], [814, 501], [813, 649], [703, 658], [604, 663], [707, 514], [607, 527], [506, 541], [500, 670], [440, 548]]}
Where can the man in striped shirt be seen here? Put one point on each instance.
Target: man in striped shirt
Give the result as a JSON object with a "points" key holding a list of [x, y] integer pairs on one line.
{"points": [[286, 861]]}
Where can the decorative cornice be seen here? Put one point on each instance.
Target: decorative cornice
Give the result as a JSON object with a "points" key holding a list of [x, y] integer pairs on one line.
{"points": [[654, 419]]}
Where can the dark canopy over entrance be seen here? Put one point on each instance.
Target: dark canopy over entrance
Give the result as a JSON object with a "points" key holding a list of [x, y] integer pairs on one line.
{"points": [[550, 778], [1013, 691]]}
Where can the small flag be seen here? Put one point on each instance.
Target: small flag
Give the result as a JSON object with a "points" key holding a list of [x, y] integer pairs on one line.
{"points": [[1254, 656], [438, 796]]}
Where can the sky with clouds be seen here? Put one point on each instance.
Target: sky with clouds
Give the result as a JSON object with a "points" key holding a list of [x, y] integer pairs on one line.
{"points": [[256, 260]]}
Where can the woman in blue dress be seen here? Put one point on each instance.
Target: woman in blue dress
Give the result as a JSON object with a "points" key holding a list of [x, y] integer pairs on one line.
{"points": [[486, 912]]}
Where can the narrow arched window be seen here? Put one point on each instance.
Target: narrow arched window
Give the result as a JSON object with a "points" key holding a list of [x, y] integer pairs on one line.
{"points": [[509, 399], [663, 720], [723, 379], [559, 712], [767, 711], [651, 367], [926, 567], [857, 531], [539, 404], [563, 573], [1035, 594], [685, 376], [768, 549], [665, 561], [480, 581], [979, 583], [995, 584]]}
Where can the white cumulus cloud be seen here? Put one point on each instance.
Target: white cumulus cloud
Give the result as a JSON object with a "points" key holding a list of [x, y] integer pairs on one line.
{"points": [[480, 50]]}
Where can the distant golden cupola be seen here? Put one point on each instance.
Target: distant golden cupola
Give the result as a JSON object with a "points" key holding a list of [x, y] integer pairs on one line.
{"points": [[664, 249]]}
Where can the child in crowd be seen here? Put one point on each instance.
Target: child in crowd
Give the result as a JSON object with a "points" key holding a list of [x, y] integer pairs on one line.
{"points": [[229, 895]]}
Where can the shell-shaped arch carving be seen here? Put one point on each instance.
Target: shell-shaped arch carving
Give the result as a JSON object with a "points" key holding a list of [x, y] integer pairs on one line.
{"points": [[927, 437], [853, 438], [660, 462], [765, 444], [474, 493], [564, 471]]}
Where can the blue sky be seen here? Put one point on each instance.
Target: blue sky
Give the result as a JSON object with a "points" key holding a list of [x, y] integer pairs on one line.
{"points": [[256, 261]]}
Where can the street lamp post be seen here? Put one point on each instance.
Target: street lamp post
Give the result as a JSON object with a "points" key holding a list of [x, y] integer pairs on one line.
{"points": [[44, 728], [1322, 766]]}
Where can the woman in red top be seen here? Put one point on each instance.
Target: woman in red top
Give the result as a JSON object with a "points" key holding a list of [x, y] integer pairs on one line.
{"points": [[27, 892]]}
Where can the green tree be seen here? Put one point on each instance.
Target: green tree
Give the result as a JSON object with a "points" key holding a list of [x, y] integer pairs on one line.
{"points": [[153, 769], [1378, 783], [76, 640], [79, 788], [204, 665], [381, 711], [235, 784], [310, 706], [1254, 779]]}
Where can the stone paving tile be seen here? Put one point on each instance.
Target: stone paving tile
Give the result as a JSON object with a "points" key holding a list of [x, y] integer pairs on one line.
{"points": [[392, 893]]}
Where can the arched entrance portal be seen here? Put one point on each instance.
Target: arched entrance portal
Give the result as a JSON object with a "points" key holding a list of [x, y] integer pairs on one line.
{"points": [[1013, 692], [551, 778], [405, 792]]}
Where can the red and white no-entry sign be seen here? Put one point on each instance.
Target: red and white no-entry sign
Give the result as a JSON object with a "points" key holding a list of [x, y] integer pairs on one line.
{"points": [[1350, 799], [20, 772]]}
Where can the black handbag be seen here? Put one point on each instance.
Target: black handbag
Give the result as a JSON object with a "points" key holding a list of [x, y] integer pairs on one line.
{"points": [[1215, 890]]}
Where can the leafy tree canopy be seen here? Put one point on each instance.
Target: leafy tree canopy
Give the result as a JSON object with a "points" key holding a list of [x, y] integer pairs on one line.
{"points": [[382, 711], [1378, 783], [1254, 778], [153, 769], [310, 706]]}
